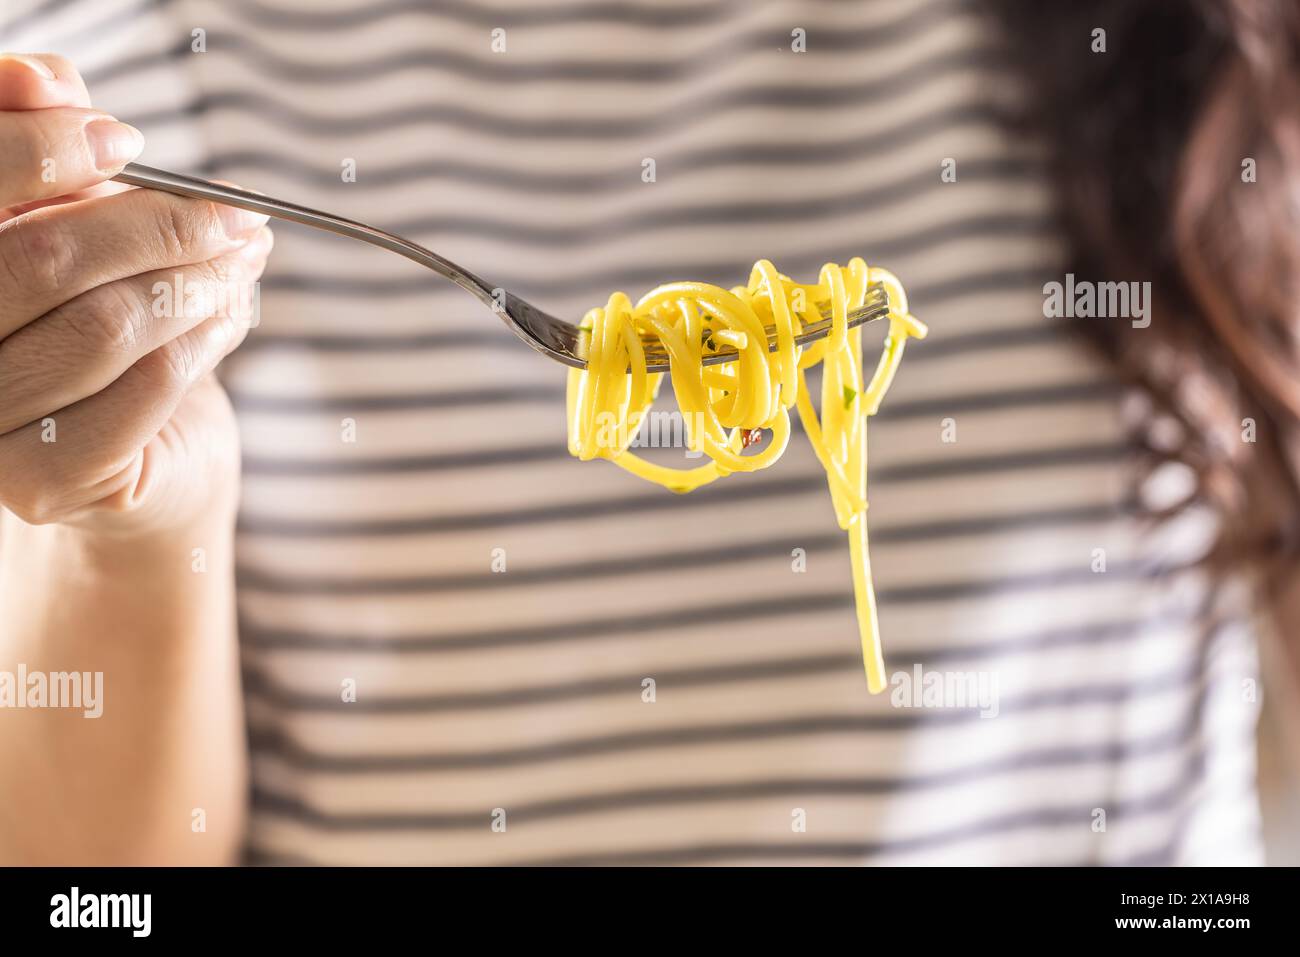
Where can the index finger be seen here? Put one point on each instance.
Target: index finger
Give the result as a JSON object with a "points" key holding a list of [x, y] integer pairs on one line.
{"points": [[38, 81]]}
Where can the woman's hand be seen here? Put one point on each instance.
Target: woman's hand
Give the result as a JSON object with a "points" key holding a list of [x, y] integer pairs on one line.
{"points": [[116, 440], [115, 306]]}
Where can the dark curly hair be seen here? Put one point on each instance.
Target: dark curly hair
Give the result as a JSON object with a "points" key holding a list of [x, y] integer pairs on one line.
{"points": [[1176, 157]]}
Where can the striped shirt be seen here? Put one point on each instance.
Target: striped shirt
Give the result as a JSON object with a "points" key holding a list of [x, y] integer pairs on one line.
{"points": [[461, 646]]}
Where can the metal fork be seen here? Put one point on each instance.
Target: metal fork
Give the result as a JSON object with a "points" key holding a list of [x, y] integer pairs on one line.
{"points": [[549, 335]]}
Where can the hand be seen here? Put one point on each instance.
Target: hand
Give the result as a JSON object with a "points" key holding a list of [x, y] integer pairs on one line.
{"points": [[110, 418]]}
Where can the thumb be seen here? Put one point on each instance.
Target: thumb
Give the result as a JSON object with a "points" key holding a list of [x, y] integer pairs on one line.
{"points": [[38, 81]]}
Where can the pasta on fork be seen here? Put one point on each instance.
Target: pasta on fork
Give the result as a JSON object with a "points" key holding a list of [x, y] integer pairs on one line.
{"points": [[726, 406]]}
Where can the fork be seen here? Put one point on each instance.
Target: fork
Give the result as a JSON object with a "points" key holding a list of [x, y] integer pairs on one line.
{"points": [[549, 335]]}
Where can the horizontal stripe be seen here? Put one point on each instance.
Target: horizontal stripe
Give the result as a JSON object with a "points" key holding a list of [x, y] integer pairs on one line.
{"points": [[395, 402], [580, 804], [594, 283], [1168, 802], [1108, 752], [27, 18], [592, 181], [797, 789], [294, 753], [1072, 817], [946, 466], [696, 110], [733, 854], [265, 689], [673, 561], [273, 18], [642, 504], [265, 61], [746, 212], [647, 15], [773, 610]]}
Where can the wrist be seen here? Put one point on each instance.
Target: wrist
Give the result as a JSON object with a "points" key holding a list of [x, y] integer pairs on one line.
{"points": [[121, 548]]}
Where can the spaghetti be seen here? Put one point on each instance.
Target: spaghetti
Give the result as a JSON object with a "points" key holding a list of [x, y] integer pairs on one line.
{"points": [[725, 405]]}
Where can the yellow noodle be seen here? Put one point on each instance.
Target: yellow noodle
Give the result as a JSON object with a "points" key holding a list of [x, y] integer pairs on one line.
{"points": [[607, 404]]}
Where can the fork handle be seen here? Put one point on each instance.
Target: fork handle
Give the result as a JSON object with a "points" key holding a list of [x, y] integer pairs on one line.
{"points": [[135, 174]]}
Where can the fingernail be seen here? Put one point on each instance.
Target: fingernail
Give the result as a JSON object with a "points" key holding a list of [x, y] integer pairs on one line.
{"points": [[113, 144], [240, 223], [38, 67]]}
